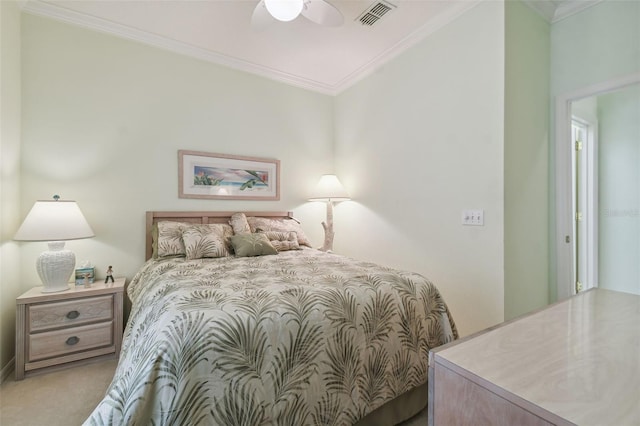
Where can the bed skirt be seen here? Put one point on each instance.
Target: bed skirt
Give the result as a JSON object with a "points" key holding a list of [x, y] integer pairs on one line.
{"points": [[400, 409]]}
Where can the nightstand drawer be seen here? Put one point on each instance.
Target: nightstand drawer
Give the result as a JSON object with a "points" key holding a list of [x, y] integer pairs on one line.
{"points": [[69, 340], [68, 328], [48, 316]]}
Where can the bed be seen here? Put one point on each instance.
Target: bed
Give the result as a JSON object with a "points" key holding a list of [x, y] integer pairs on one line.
{"points": [[297, 337]]}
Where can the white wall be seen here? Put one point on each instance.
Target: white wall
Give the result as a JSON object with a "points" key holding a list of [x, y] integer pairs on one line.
{"points": [[593, 46], [419, 141], [619, 189], [526, 160], [10, 283], [103, 120]]}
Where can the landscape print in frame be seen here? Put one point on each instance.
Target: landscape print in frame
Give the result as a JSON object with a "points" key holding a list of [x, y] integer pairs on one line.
{"points": [[227, 177]]}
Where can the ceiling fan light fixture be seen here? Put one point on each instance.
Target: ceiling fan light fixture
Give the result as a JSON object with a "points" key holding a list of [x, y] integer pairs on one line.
{"points": [[284, 10]]}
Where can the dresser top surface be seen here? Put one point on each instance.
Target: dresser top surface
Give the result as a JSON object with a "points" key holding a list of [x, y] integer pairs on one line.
{"points": [[35, 294], [578, 359]]}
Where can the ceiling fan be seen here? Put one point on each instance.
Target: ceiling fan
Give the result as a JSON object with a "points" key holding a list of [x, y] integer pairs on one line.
{"points": [[318, 11]]}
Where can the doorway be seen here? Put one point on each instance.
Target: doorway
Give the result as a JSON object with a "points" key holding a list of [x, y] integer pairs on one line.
{"points": [[614, 195], [584, 136]]}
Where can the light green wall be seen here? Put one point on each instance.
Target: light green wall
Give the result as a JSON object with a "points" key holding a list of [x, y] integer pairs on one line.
{"points": [[416, 143], [619, 189], [526, 160], [103, 120], [593, 46], [10, 283], [431, 133]]}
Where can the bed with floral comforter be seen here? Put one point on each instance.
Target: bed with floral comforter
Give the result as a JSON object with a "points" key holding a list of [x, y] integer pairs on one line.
{"points": [[298, 338]]}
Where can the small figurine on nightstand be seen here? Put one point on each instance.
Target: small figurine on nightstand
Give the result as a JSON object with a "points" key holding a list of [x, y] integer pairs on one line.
{"points": [[109, 275]]}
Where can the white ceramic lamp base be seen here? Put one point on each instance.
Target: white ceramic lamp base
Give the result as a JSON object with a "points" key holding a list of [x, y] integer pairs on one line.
{"points": [[55, 267]]}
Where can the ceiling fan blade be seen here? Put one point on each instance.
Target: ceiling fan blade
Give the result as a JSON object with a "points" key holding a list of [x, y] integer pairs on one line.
{"points": [[261, 18], [322, 12]]}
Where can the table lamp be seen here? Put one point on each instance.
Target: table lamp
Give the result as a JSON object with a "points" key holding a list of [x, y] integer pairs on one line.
{"points": [[54, 221], [329, 189]]}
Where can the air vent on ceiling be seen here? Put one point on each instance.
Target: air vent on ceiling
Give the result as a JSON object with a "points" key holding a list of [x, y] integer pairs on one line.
{"points": [[375, 12]]}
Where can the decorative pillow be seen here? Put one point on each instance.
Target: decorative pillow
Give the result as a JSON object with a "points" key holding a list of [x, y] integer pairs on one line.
{"points": [[239, 223], [154, 241], [169, 239], [252, 245], [283, 241], [211, 240], [280, 225]]}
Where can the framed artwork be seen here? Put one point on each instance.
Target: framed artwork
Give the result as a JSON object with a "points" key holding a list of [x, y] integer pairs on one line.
{"points": [[227, 177]]}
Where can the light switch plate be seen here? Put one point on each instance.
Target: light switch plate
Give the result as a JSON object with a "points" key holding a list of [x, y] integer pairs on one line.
{"points": [[473, 217]]}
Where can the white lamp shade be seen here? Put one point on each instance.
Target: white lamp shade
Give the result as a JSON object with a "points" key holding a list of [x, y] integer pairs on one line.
{"points": [[54, 221], [329, 188], [284, 10]]}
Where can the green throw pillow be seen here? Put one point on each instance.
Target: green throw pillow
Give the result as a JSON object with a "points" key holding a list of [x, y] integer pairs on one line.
{"points": [[252, 245]]}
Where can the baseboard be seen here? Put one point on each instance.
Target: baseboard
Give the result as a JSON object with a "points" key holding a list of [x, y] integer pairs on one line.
{"points": [[7, 370]]}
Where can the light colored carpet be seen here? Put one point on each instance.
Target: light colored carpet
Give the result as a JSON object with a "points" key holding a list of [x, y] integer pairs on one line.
{"points": [[64, 397], [67, 397]]}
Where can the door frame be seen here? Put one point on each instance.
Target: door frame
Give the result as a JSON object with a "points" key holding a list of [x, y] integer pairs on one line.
{"points": [[565, 280], [587, 184]]}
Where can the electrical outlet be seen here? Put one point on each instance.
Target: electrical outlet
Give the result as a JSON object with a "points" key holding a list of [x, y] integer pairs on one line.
{"points": [[473, 217]]}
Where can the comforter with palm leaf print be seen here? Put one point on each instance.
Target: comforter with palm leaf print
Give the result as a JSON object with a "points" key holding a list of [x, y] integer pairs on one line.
{"points": [[298, 338]]}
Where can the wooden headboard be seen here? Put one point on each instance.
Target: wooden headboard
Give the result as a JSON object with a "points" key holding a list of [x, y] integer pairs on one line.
{"points": [[198, 217]]}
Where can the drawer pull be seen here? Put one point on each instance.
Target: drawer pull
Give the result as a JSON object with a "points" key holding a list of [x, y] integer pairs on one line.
{"points": [[72, 340], [73, 314]]}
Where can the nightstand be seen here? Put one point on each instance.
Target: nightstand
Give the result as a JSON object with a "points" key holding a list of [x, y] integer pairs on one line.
{"points": [[57, 330]]}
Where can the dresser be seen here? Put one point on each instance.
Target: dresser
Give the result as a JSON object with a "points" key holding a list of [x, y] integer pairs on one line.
{"points": [[576, 362], [56, 330]]}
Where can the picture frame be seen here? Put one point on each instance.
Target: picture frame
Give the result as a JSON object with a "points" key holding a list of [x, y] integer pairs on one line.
{"points": [[212, 176], [82, 274]]}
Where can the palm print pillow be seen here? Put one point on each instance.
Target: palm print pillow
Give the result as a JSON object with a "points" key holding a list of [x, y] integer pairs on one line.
{"points": [[212, 240], [169, 241]]}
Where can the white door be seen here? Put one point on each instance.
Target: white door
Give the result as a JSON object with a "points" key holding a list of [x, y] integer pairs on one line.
{"points": [[584, 203]]}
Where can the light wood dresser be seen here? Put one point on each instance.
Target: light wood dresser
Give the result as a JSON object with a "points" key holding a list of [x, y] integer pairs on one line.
{"points": [[577, 362], [56, 330]]}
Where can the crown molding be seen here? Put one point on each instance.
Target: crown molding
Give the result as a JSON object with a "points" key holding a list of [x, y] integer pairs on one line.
{"points": [[411, 40], [48, 10], [59, 13], [555, 11], [570, 8], [545, 8]]}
